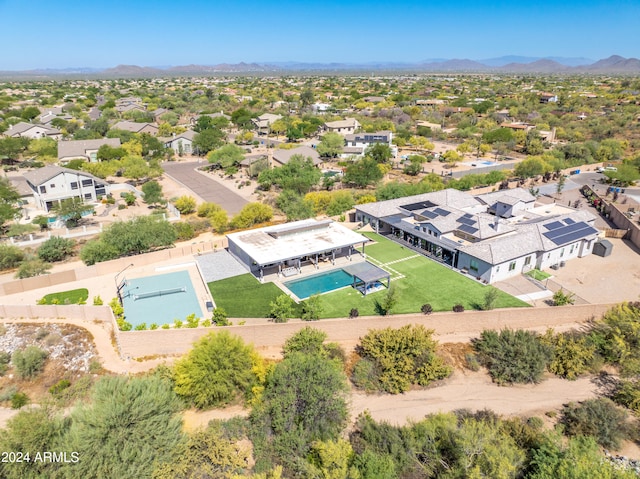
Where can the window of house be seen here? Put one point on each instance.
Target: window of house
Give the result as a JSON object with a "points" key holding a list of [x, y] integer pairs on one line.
{"points": [[512, 266], [435, 234], [87, 182], [572, 248], [527, 260], [87, 196], [562, 252], [74, 185], [43, 189], [52, 185], [473, 265]]}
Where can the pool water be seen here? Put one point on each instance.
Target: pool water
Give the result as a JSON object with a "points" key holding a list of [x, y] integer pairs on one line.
{"points": [[319, 283]]}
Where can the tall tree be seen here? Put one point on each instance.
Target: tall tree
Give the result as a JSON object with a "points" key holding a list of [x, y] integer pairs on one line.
{"points": [[9, 201]]}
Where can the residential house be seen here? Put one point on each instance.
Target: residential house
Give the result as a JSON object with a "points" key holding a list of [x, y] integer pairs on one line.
{"points": [[548, 98], [263, 123], [182, 144], [427, 124], [136, 127], [357, 143], [491, 237], [282, 157], [53, 184], [347, 126], [157, 113], [32, 131], [83, 149]]}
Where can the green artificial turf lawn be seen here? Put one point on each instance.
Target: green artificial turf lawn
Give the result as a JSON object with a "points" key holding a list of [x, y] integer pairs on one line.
{"points": [[75, 296], [244, 296]]}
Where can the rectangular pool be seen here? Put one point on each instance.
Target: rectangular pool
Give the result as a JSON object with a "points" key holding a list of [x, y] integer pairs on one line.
{"points": [[160, 299], [319, 283]]}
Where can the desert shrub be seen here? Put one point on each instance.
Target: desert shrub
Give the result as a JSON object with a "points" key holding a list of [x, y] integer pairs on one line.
{"points": [[10, 256], [403, 357], [365, 375], [184, 231], [31, 267], [60, 386], [312, 308], [513, 356], [19, 400], [97, 301], [560, 298], [281, 309], [219, 317], [185, 204], [55, 249], [29, 362], [458, 308], [5, 359], [426, 308], [599, 418], [141, 327], [192, 321], [571, 356], [307, 340], [627, 394], [354, 313]]}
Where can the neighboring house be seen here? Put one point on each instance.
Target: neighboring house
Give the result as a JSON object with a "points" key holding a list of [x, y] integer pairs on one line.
{"points": [[94, 113], [518, 126], [282, 157], [491, 237], [83, 149], [548, 98], [47, 118], [52, 184], [129, 107], [357, 143], [373, 99], [136, 127], [157, 113], [321, 107], [263, 123], [427, 124], [347, 126], [182, 144], [32, 131]]}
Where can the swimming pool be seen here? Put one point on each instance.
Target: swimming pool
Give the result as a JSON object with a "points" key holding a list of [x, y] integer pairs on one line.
{"points": [[160, 299], [319, 283]]}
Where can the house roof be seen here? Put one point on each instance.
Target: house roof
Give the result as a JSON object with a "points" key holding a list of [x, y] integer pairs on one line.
{"points": [[448, 197], [78, 148], [346, 123], [42, 175], [132, 126], [275, 244], [363, 136], [283, 156], [22, 127]]}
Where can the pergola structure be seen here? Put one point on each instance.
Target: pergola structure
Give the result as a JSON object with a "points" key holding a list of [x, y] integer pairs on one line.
{"points": [[366, 276], [282, 249]]}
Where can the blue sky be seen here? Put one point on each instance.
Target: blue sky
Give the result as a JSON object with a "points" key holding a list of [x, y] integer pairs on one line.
{"points": [[71, 33]]}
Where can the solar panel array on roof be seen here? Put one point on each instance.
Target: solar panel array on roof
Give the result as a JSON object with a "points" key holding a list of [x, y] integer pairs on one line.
{"points": [[572, 232], [467, 221], [554, 225], [429, 214], [467, 216], [468, 229], [569, 221], [418, 206], [442, 212]]}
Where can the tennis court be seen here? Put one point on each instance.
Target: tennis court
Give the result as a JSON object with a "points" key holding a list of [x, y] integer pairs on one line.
{"points": [[159, 299]]}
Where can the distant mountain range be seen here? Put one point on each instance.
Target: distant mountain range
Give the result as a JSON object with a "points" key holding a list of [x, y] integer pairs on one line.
{"points": [[506, 64]]}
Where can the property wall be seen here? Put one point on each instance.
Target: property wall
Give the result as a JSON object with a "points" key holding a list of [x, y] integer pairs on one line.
{"points": [[617, 215], [106, 268], [72, 311], [447, 326]]}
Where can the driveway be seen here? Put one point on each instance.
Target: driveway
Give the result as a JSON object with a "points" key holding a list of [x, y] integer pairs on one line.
{"points": [[205, 186]]}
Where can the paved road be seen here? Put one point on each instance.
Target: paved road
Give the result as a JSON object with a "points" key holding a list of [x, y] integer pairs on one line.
{"points": [[205, 186]]}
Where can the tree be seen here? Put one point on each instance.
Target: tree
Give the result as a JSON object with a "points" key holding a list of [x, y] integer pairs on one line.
{"points": [[55, 249], [10, 256], [97, 251], [452, 157], [299, 175], [306, 98], [363, 173], [295, 206], [307, 340], [625, 175], [389, 301], [13, 147], [252, 214], [414, 165], [560, 298], [130, 424], [281, 309], [532, 167], [617, 337], [139, 235], [208, 140], [28, 362], [32, 266], [242, 118], [572, 354], [599, 418], [9, 202], [312, 308], [379, 152], [331, 145], [185, 204], [217, 371], [304, 401], [207, 453], [152, 193], [226, 156], [72, 210]]}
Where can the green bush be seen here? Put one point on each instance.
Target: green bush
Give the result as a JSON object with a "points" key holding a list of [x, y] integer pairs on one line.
{"points": [[599, 418], [97, 301], [60, 386], [55, 249], [572, 355], [403, 357], [365, 376], [141, 327], [31, 267], [185, 204], [10, 256], [513, 356], [5, 359], [281, 309], [29, 362], [219, 317], [192, 321], [19, 400]]}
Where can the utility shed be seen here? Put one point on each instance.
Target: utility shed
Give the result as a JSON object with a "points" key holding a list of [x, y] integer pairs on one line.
{"points": [[603, 248]]}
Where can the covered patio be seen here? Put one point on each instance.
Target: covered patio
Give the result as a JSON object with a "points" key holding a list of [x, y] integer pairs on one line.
{"points": [[367, 277]]}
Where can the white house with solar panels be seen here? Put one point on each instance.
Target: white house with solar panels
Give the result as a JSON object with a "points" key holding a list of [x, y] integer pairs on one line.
{"points": [[491, 237]]}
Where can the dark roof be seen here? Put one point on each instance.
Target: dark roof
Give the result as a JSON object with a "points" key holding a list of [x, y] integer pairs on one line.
{"points": [[366, 272]]}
